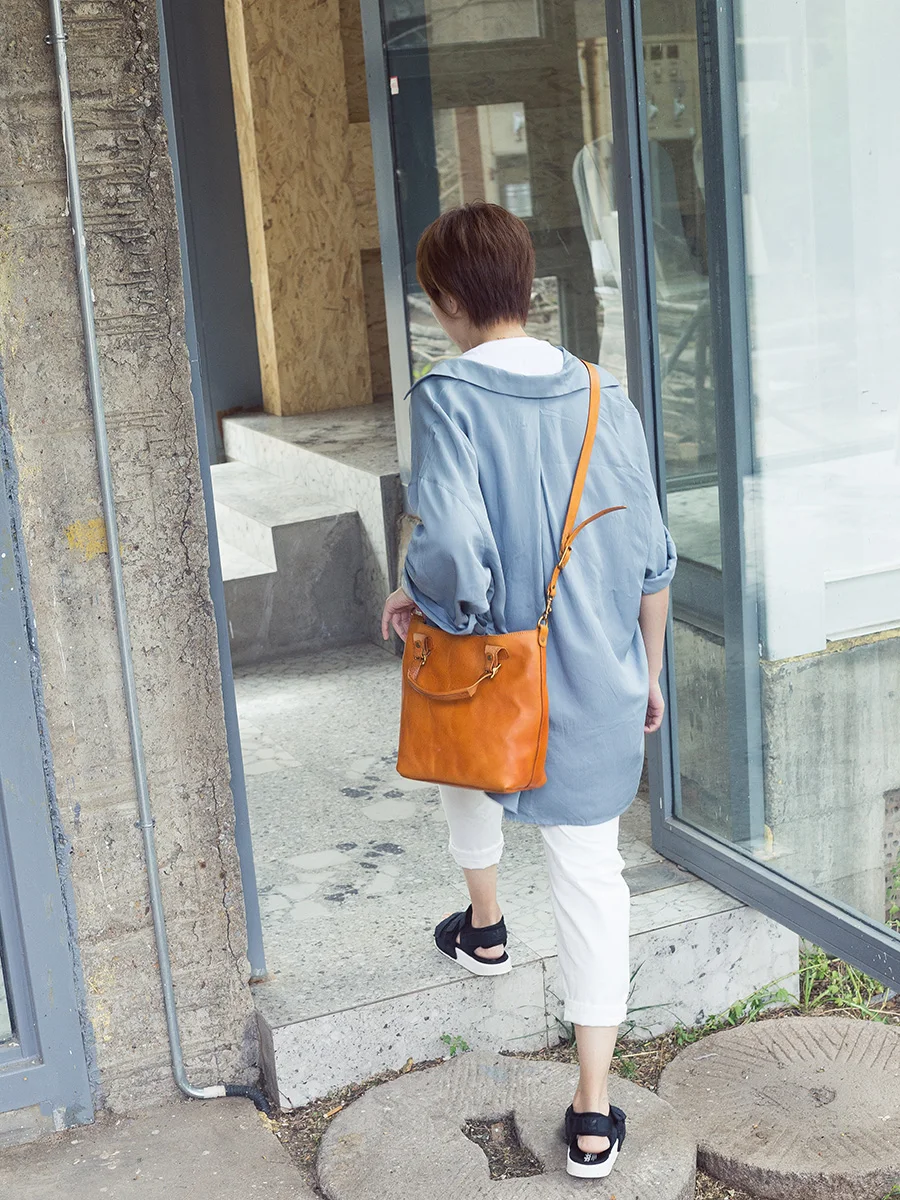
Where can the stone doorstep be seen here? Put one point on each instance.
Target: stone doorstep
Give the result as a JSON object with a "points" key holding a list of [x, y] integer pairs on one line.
{"points": [[687, 971], [800, 1108], [361, 439], [403, 1140]]}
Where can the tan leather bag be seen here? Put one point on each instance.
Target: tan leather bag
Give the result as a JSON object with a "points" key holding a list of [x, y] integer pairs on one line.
{"points": [[475, 712]]}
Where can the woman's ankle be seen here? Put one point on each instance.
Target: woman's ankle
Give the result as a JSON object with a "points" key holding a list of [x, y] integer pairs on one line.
{"points": [[585, 1101], [488, 915]]}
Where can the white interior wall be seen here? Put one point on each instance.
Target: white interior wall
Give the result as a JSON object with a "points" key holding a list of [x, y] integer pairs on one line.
{"points": [[822, 166]]}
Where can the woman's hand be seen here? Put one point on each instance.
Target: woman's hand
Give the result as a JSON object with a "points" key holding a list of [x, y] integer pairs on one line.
{"points": [[656, 706], [398, 610]]}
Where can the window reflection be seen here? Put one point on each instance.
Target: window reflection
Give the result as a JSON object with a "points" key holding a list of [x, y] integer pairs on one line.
{"points": [[482, 154], [460, 21], [493, 101]]}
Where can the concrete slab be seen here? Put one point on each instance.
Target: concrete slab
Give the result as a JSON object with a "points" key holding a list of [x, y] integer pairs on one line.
{"points": [[307, 1059], [195, 1149], [795, 1109], [403, 1140]]}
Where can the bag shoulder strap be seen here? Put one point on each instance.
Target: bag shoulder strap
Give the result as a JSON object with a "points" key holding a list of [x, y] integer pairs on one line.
{"points": [[570, 529]]}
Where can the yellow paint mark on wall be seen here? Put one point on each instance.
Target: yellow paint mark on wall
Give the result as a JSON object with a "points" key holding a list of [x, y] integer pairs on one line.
{"points": [[99, 984], [88, 538]]}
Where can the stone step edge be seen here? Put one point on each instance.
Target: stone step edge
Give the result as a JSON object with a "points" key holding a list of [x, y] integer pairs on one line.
{"points": [[296, 448], [301, 505], [237, 564]]}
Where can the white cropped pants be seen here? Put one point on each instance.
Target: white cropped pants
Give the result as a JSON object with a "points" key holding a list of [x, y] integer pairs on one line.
{"points": [[590, 899]]}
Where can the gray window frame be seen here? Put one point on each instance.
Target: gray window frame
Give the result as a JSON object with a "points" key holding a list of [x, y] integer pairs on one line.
{"points": [[45, 1063], [726, 603]]}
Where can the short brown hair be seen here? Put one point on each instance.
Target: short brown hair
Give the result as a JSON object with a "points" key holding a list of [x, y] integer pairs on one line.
{"points": [[483, 256]]}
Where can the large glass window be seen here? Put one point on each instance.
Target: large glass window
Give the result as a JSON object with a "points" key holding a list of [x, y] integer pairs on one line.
{"points": [[820, 500]]}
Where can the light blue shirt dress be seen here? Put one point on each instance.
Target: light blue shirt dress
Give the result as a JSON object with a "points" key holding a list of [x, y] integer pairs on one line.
{"points": [[493, 461]]}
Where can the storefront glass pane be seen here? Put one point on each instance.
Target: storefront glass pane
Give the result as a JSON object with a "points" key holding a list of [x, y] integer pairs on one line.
{"points": [[508, 101], [821, 176], [6, 1028]]}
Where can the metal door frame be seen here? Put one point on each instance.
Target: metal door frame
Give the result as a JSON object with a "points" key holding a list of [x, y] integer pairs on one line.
{"points": [[46, 1062]]}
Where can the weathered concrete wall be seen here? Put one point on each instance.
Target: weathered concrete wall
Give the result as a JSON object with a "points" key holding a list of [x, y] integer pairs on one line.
{"points": [[133, 247], [832, 759], [831, 727]]}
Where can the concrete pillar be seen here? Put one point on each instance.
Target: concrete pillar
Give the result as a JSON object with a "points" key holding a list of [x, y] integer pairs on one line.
{"points": [[133, 246]]}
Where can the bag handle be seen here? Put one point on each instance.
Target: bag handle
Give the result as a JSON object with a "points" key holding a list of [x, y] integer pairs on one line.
{"points": [[570, 530], [493, 661]]}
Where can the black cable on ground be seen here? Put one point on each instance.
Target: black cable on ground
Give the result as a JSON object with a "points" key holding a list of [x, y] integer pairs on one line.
{"points": [[250, 1093]]}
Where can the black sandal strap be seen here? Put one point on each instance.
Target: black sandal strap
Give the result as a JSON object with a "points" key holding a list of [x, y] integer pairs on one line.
{"points": [[447, 929], [490, 935], [591, 1124], [619, 1117]]}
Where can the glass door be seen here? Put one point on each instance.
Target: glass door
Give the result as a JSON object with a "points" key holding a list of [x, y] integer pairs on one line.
{"points": [[778, 430], [508, 101]]}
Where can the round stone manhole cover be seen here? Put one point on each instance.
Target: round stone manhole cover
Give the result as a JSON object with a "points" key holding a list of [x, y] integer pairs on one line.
{"points": [[798, 1108], [404, 1140]]}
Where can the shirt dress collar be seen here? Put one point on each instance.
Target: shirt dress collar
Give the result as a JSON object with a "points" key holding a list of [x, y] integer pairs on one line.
{"points": [[572, 377]]}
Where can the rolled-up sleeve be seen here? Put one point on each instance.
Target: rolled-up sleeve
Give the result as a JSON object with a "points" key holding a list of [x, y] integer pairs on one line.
{"points": [[661, 562], [451, 561]]}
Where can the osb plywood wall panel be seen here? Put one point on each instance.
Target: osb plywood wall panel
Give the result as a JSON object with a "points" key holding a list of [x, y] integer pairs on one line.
{"points": [[253, 213], [295, 65], [362, 184], [354, 60], [376, 320]]}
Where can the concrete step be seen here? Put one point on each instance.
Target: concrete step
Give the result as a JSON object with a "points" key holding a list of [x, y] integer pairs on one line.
{"points": [[802, 1108], [238, 565], [346, 458], [404, 1140], [292, 566], [251, 504]]}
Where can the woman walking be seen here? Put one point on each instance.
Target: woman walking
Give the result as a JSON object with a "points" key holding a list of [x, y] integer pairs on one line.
{"points": [[496, 435]]}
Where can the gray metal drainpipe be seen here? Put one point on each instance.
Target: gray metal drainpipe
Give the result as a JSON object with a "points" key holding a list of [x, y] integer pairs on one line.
{"points": [[57, 38]]}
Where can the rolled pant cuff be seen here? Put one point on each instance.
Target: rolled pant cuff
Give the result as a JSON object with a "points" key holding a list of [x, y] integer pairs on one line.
{"points": [[595, 1014], [475, 860]]}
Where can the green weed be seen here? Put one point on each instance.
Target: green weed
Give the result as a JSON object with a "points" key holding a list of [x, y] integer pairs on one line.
{"points": [[828, 983], [740, 1013], [626, 1068], [457, 1044]]}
